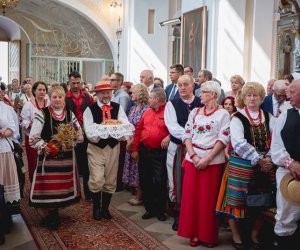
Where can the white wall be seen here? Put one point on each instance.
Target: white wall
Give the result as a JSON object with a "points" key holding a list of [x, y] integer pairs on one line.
{"points": [[139, 49], [239, 39], [4, 62]]}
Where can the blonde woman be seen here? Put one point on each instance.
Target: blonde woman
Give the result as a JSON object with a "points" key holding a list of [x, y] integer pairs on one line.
{"points": [[130, 172], [250, 139], [237, 83], [55, 181], [206, 135]]}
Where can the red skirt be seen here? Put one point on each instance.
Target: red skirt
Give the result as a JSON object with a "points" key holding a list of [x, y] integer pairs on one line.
{"points": [[199, 196]]}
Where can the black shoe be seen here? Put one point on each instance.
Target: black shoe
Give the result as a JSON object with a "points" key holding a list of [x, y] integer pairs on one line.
{"points": [[161, 217], [96, 205], [2, 239], [175, 223], [147, 215], [106, 198], [238, 246], [105, 214], [53, 220]]}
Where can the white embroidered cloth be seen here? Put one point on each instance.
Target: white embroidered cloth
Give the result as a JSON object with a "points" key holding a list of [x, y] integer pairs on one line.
{"points": [[115, 131]]}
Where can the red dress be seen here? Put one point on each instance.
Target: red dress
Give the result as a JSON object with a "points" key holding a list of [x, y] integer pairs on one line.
{"points": [[199, 196]]}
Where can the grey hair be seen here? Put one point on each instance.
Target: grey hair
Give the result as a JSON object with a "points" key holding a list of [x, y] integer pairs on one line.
{"points": [[212, 86], [160, 94], [280, 85]]}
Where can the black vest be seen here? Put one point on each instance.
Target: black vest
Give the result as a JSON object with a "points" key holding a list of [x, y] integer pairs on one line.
{"points": [[50, 125], [290, 134], [182, 110], [247, 130], [97, 116], [85, 103]]}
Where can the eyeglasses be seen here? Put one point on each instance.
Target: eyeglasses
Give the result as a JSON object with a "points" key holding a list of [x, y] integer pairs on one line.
{"points": [[204, 92]]}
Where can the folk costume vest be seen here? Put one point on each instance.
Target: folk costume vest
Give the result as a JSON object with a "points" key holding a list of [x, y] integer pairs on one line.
{"points": [[183, 110], [85, 103], [290, 134], [97, 116], [50, 125], [257, 136]]}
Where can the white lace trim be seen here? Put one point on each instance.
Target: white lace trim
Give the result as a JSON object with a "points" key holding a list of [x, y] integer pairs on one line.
{"points": [[114, 131], [12, 196]]}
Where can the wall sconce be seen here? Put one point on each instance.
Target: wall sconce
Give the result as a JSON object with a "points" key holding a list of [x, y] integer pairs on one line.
{"points": [[173, 21]]}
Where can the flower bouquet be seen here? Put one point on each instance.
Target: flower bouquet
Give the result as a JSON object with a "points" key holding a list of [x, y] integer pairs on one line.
{"points": [[64, 139]]}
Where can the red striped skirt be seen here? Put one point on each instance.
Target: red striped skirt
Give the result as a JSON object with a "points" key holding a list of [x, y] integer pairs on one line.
{"points": [[57, 183]]}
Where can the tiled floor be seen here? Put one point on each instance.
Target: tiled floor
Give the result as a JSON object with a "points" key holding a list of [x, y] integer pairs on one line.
{"points": [[20, 238]]}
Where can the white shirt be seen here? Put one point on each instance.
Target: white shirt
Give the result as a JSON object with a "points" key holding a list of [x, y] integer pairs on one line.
{"points": [[89, 124], [28, 112], [238, 139], [278, 151], [150, 88], [205, 131], [171, 119], [8, 119]]}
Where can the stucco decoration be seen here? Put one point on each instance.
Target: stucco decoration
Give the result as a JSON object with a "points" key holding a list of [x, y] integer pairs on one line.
{"points": [[58, 31]]}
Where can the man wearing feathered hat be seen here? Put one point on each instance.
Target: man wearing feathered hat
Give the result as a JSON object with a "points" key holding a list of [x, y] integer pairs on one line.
{"points": [[103, 150], [285, 151]]}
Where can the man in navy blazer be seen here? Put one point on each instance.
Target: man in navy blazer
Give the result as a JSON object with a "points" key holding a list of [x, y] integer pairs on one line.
{"points": [[176, 70], [273, 102]]}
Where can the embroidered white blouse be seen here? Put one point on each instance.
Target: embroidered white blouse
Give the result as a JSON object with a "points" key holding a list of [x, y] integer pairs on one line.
{"points": [[35, 139], [205, 131], [8, 119], [28, 112], [238, 141]]}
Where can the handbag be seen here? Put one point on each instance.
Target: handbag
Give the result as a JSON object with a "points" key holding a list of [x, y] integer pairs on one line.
{"points": [[260, 191]]}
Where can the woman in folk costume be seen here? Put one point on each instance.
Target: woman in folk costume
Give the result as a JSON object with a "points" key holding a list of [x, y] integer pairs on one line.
{"points": [[206, 135], [30, 108], [54, 133], [250, 138], [8, 171]]}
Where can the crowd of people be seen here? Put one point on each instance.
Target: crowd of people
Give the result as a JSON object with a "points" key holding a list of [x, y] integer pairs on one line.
{"points": [[190, 148]]}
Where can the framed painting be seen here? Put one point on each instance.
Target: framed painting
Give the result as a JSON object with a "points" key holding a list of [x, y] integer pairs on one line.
{"points": [[194, 39]]}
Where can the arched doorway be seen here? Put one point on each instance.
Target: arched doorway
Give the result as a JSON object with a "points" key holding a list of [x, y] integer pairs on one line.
{"points": [[56, 40]]}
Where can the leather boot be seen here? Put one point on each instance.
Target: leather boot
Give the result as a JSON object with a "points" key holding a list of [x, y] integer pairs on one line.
{"points": [[96, 205], [175, 223], [86, 190], [53, 219], [106, 198], [2, 237]]}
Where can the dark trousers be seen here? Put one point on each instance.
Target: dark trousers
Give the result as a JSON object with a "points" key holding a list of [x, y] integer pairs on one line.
{"points": [[153, 178], [82, 162]]}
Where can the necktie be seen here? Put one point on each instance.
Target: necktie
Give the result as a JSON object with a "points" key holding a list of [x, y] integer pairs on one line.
{"points": [[278, 109], [106, 115], [173, 92]]}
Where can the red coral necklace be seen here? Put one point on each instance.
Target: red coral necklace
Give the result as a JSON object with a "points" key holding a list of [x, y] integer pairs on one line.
{"points": [[214, 110], [37, 105], [252, 120], [56, 116]]}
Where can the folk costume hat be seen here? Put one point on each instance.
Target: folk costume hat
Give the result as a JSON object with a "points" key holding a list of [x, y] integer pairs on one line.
{"points": [[290, 189], [103, 85]]}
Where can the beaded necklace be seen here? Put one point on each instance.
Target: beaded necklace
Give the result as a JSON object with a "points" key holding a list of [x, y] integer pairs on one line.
{"points": [[214, 110]]}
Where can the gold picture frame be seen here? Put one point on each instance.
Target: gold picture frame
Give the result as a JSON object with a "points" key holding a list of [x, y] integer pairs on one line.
{"points": [[194, 39]]}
